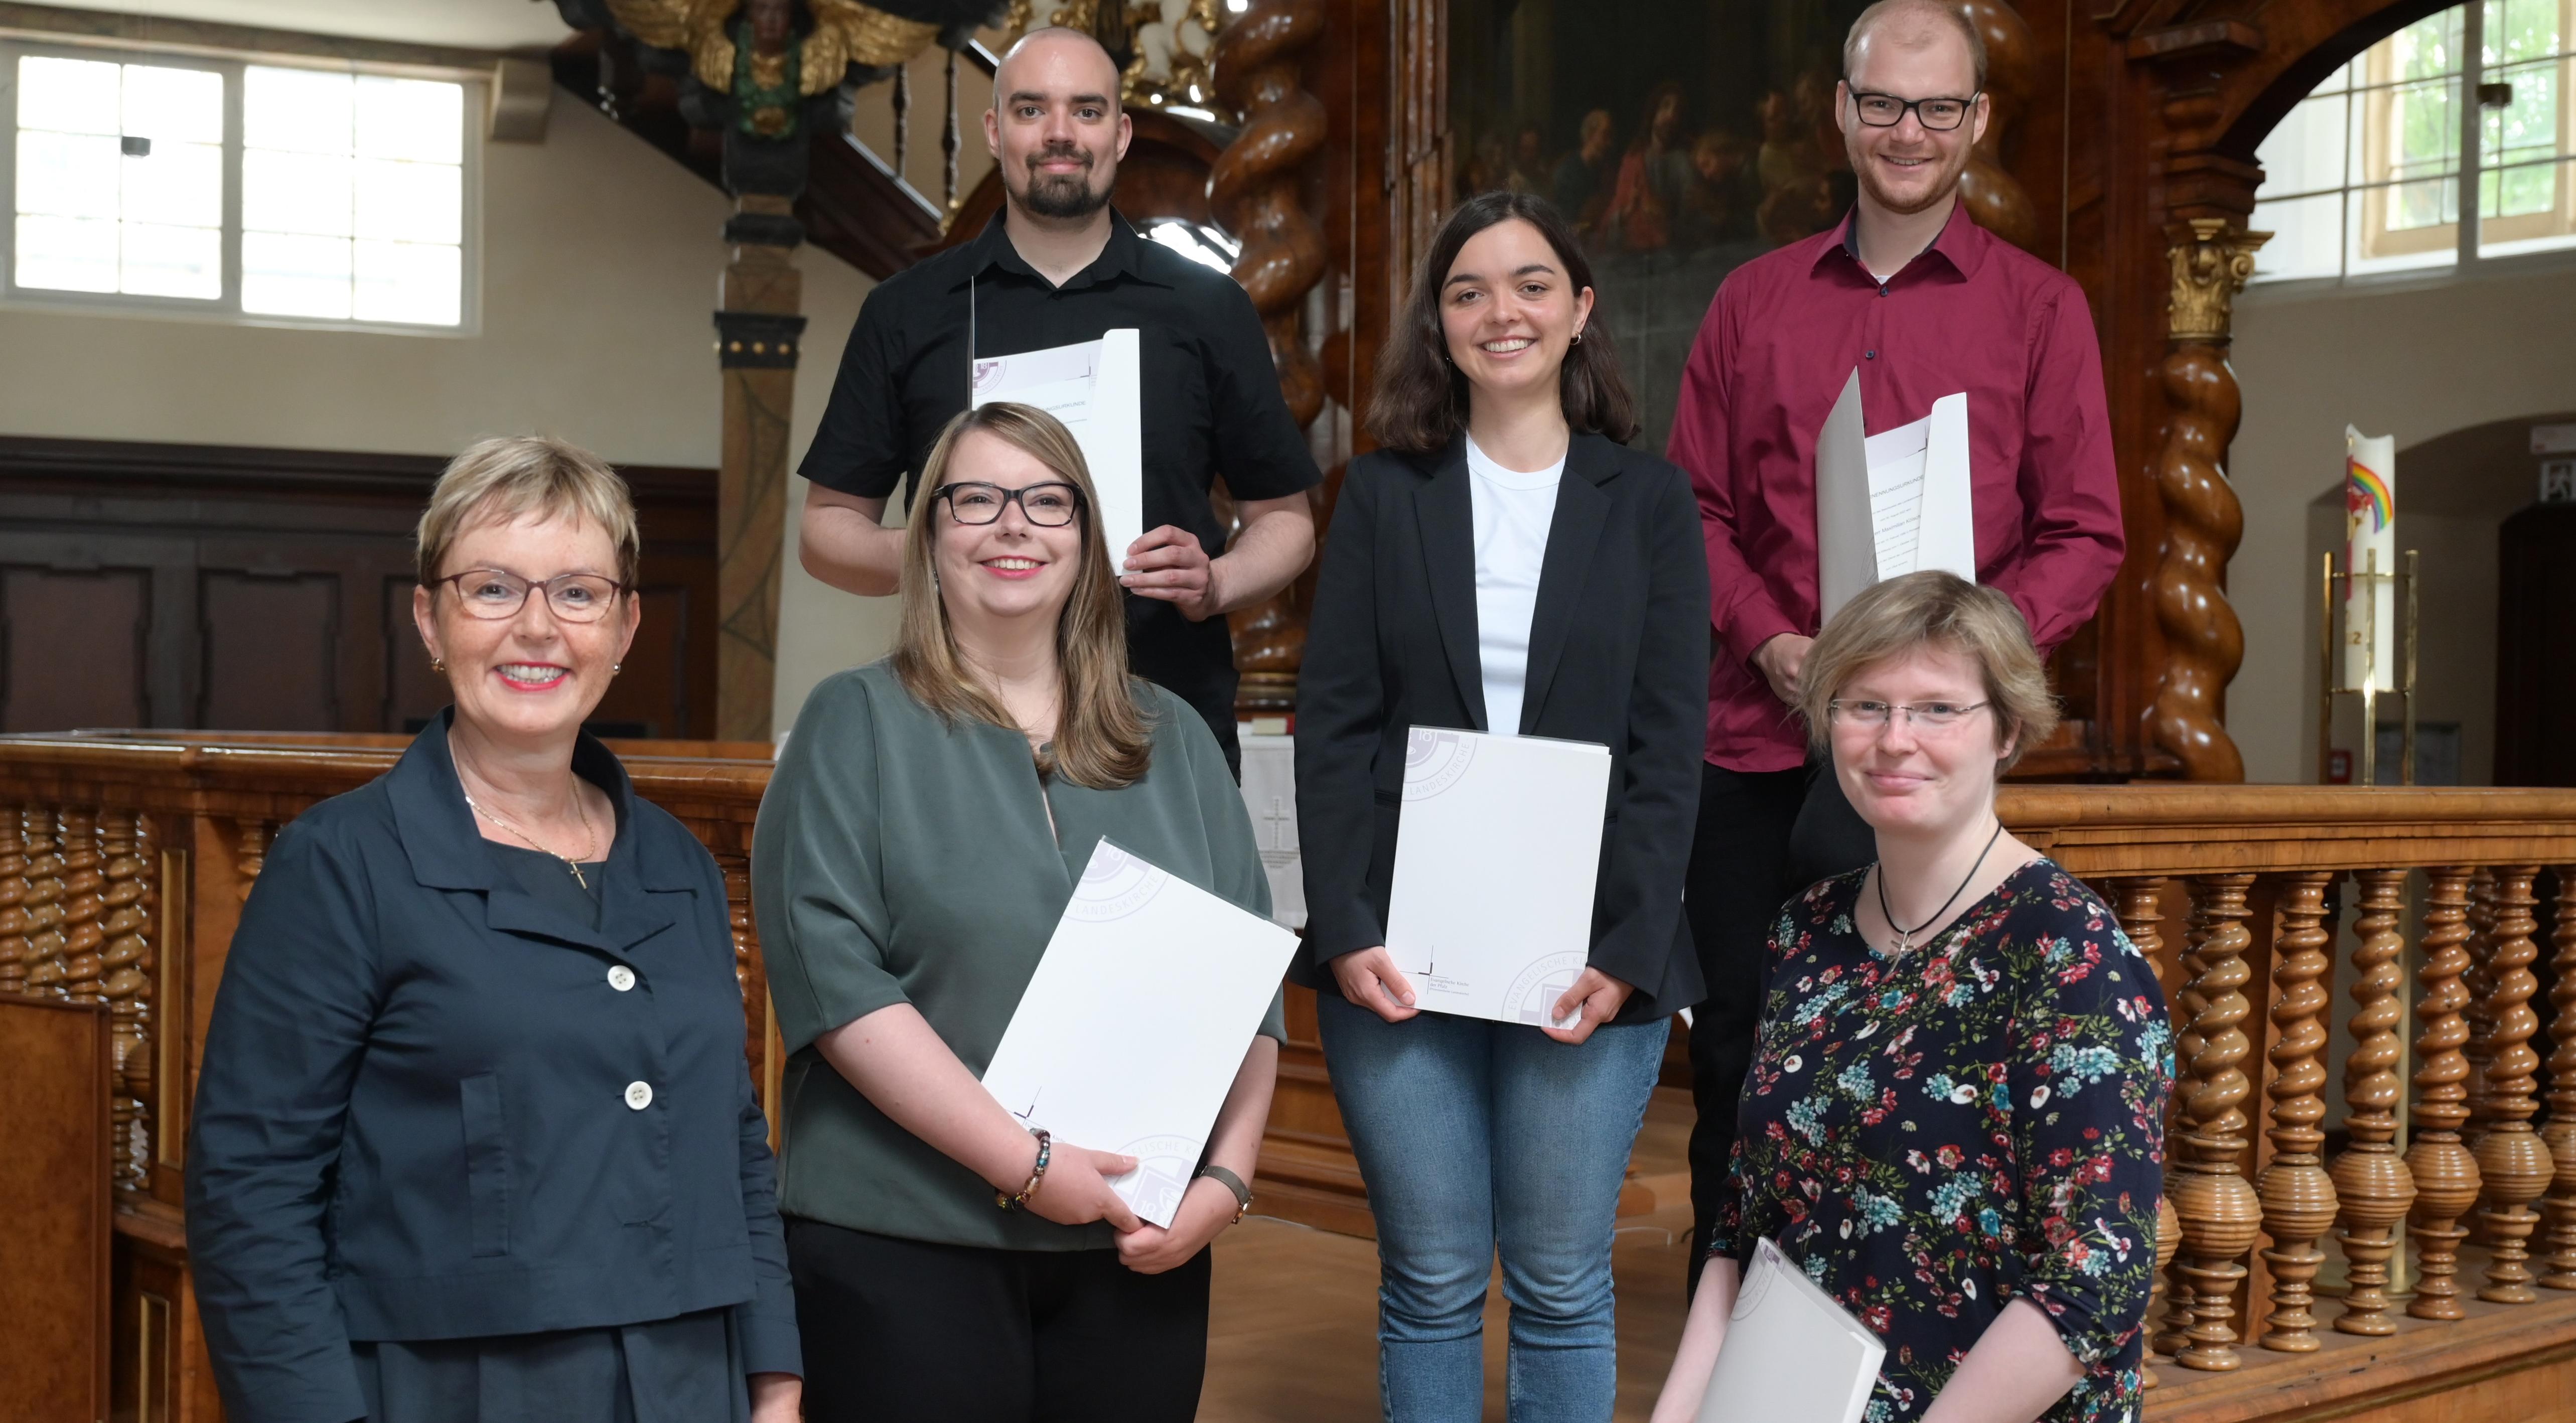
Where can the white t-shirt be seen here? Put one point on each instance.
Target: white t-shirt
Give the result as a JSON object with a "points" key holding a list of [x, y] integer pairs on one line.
{"points": [[1513, 511]]}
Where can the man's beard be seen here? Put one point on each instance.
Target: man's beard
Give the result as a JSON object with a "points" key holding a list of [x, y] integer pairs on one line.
{"points": [[1061, 195]]}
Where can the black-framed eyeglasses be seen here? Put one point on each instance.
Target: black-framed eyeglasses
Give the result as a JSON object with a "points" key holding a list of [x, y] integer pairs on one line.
{"points": [[494, 594], [1938, 115], [1049, 506]]}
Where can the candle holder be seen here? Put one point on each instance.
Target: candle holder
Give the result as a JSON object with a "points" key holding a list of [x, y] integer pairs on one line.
{"points": [[2368, 576]]}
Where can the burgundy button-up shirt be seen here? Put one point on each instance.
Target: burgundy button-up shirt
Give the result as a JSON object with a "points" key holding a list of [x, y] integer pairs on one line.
{"points": [[1971, 313]]}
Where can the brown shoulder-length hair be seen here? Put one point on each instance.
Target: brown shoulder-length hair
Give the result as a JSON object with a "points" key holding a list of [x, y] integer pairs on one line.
{"points": [[1420, 401], [1101, 737]]}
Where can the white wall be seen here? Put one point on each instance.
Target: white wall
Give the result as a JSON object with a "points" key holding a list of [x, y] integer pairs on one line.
{"points": [[2414, 363], [600, 265]]}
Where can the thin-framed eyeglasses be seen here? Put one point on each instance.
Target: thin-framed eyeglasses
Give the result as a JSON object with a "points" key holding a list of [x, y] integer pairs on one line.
{"points": [[495, 594], [1051, 505], [1887, 110], [1931, 717]]}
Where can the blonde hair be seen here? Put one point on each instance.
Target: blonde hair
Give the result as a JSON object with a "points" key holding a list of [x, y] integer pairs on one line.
{"points": [[1101, 737], [508, 479], [1933, 609]]}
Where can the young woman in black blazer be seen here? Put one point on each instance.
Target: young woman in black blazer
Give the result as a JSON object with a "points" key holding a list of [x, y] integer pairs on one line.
{"points": [[1505, 564]]}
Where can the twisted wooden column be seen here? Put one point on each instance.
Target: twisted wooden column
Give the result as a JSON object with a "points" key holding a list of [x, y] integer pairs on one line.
{"points": [[13, 896], [44, 902], [1994, 197], [1257, 190], [2298, 1197], [126, 962], [2204, 642], [2560, 1135], [2219, 1210], [2446, 1175], [2371, 1182], [2513, 1164]]}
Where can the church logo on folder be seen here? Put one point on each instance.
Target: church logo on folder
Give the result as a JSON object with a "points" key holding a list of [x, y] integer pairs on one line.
{"points": [[1114, 885], [1434, 760], [1535, 989]]}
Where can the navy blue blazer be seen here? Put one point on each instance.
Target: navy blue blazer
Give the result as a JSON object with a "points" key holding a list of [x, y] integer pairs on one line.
{"points": [[428, 1109]]}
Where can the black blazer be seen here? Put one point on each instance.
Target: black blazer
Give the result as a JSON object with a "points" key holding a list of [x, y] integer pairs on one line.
{"points": [[416, 1117], [1618, 656]]}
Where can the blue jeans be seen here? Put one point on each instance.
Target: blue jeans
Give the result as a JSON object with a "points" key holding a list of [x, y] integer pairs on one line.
{"points": [[1473, 1135]]}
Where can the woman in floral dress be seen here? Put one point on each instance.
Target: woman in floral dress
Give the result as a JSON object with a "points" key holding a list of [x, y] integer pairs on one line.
{"points": [[1954, 1120]]}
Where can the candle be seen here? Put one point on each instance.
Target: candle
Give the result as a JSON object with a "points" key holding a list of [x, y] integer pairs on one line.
{"points": [[2370, 533]]}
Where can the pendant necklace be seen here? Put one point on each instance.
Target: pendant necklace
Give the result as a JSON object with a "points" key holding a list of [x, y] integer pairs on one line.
{"points": [[1905, 936], [590, 837]]}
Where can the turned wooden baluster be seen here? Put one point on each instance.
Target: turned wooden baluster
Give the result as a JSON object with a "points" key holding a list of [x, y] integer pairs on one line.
{"points": [[2560, 1134], [2513, 1162], [2168, 1240], [2169, 1306], [2370, 1179], [746, 960], [2480, 1013], [127, 985], [2219, 1210], [250, 855], [13, 894], [81, 904], [2298, 1197], [2446, 1175], [44, 902]]}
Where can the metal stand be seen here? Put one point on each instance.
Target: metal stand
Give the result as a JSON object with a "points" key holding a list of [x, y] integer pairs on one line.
{"points": [[2369, 576]]}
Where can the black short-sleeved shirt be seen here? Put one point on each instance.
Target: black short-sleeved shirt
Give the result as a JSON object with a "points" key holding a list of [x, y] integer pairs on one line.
{"points": [[1211, 403]]}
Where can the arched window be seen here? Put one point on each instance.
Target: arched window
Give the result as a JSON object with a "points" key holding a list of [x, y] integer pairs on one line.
{"points": [[2366, 176]]}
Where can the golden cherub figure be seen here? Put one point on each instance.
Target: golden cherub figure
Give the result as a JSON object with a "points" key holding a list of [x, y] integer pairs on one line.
{"points": [[751, 49]]}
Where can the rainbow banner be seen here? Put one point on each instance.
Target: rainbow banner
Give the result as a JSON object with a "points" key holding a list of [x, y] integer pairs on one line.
{"points": [[2370, 541]]}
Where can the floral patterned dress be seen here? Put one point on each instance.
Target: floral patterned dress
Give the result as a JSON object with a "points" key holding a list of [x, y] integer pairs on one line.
{"points": [[1935, 1134]]}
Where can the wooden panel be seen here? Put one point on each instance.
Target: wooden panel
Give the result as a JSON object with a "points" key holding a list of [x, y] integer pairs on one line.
{"points": [[72, 648], [54, 1193], [270, 652]]}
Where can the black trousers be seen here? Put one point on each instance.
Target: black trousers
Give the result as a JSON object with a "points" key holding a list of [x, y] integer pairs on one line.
{"points": [[1763, 837], [904, 1331]]}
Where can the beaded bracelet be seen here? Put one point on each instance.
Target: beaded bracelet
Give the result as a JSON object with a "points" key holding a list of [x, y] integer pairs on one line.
{"points": [[1046, 1148]]}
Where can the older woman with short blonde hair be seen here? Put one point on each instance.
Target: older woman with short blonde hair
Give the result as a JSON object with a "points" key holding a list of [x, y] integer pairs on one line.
{"points": [[1955, 1115], [475, 1140], [928, 822]]}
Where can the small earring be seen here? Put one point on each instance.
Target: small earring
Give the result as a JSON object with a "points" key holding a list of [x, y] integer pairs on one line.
{"points": [[616, 667], [1578, 338], [437, 663]]}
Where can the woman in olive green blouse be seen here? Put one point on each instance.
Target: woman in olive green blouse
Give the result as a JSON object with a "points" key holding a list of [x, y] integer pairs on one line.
{"points": [[925, 827]]}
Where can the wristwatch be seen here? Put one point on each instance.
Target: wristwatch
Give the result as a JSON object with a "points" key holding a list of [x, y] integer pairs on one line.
{"points": [[1233, 1183]]}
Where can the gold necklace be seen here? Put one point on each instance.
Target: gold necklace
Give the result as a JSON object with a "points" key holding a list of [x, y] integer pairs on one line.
{"points": [[590, 837]]}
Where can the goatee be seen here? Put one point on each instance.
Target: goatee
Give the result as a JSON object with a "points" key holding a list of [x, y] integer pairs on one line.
{"points": [[1065, 195]]}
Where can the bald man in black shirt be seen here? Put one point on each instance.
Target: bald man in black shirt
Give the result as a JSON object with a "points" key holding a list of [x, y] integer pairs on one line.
{"points": [[1059, 266]]}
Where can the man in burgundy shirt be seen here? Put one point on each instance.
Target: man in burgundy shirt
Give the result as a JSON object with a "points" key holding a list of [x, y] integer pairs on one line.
{"points": [[1923, 303]]}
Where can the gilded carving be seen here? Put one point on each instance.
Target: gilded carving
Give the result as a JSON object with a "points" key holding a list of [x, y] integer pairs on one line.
{"points": [[2211, 263], [721, 46]]}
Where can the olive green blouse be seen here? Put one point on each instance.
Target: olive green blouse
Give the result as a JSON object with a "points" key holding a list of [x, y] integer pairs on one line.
{"points": [[902, 860]]}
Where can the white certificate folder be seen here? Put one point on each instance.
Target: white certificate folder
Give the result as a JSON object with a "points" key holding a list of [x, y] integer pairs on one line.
{"points": [[1131, 1031], [1096, 389], [1791, 1354], [1892, 503], [1497, 851]]}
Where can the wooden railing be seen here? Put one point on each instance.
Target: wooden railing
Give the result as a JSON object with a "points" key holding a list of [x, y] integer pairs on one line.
{"points": [[2402, 1243]]}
